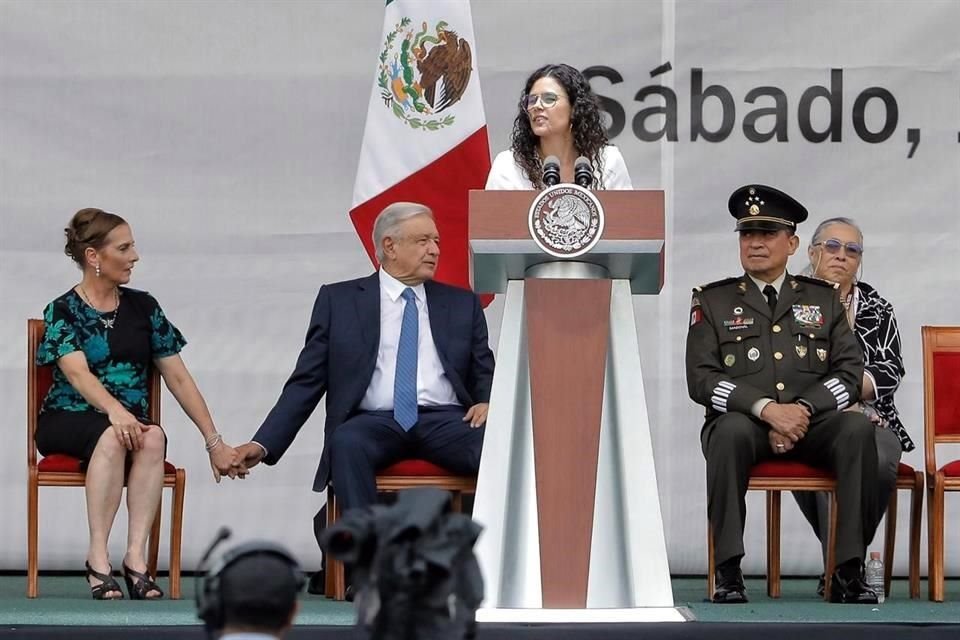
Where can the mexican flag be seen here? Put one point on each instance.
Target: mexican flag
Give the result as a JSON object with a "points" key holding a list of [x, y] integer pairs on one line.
{"points": [[425, 138]]}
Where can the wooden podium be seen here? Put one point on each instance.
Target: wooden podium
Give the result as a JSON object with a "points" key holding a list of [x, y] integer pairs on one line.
{"points": [[567, 490]]}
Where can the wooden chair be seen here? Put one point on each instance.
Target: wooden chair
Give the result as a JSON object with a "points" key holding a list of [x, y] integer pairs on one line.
{"points": [[941, 424], [407, 474], [908, 479], [774, 477], [64, 471]]}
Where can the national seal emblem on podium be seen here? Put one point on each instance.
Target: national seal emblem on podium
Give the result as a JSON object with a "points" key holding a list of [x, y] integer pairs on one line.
{"points": [[566, 221]]}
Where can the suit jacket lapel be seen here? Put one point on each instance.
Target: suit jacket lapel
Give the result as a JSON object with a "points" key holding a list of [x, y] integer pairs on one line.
{"points": [[788, 295], [367, 305], [439, 311], [751, 296]]}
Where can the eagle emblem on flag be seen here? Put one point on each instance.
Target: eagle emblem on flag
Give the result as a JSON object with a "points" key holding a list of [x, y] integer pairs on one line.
{"points": [[424, 71]]}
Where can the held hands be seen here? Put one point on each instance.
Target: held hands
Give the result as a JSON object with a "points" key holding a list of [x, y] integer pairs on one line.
{"points": [[127, 429], [790, 421], [222, 456], [246, 456], [477, 414]]}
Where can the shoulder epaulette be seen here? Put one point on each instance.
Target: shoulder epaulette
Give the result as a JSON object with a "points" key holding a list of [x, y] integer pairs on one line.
{"points": [[711, 285], [819, 281]]}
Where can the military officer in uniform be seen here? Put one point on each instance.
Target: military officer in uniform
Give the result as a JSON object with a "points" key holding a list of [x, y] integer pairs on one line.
{"points": [[772, 358]]}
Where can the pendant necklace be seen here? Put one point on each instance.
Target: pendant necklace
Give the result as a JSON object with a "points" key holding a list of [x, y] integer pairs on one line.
{"points": [[107, 322]]}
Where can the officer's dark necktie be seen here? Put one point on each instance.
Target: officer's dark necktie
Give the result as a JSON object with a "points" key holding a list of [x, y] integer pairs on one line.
{"points": [[405, 379], [771, 294]]}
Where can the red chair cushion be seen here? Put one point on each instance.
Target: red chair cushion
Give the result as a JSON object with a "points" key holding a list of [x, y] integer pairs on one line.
{"points": [[59, 463], [905, 471], [946, 400], [416, 468], [952, 469], [787, 469]]}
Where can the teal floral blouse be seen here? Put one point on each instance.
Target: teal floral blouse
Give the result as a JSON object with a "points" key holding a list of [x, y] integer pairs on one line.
{"points": [[119, 347]]}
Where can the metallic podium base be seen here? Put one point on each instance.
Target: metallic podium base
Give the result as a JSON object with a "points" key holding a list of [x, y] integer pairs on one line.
{"points": [[628, 558]]}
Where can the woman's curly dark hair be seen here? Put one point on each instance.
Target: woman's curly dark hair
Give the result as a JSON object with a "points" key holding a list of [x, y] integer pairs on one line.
{"points": [[589, 136]]}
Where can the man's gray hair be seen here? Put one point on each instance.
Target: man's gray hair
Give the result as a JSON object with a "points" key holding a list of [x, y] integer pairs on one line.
{"points": [[391, 218]]}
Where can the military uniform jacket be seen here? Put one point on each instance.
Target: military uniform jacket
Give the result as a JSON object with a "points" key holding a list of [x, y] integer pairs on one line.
{"points": [[739, 353]]}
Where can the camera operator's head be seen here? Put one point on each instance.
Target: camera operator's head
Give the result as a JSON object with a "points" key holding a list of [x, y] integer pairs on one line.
{"points": [[251, 589]]}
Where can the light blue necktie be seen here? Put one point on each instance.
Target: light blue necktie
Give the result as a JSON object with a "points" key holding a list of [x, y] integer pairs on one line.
{"points": [[405, 380]]}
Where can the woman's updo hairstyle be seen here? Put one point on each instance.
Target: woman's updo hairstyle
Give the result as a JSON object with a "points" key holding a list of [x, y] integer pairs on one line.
{"points": [[88, 228]]}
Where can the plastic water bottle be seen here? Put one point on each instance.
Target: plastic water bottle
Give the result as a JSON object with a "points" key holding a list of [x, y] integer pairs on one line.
{"points": [[874, 575]]}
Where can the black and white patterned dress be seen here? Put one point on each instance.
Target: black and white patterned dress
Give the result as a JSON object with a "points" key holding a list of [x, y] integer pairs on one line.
{"points": [[876, 329]]}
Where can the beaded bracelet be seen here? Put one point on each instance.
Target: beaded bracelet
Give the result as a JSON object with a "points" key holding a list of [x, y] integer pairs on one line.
{"points": [[213, 441]]}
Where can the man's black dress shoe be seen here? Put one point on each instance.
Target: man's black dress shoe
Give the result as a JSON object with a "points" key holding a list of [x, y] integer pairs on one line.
{"points": [[822, 585], [851, 590], [730, 589], [349, 594]]}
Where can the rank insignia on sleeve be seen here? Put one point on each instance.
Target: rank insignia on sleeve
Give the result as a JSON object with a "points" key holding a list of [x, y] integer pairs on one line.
{"points": [[696, 313]]}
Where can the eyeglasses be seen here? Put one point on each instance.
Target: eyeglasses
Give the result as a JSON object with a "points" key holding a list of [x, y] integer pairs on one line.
{"points": [[547, 99], [853, 249]]}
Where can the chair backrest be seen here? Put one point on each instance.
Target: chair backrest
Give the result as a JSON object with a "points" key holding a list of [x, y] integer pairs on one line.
{"points": [[941, 389], [40, 379]]}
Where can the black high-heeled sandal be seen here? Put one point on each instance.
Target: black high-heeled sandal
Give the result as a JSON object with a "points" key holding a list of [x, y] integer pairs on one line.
{"points": [[107, 584], [140, 584]]}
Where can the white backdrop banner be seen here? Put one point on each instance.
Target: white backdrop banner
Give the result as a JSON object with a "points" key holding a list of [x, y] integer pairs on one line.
{"points": [[228, 134]]}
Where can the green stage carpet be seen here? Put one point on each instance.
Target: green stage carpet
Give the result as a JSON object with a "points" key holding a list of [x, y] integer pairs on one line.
{"points": [[63, 601]]}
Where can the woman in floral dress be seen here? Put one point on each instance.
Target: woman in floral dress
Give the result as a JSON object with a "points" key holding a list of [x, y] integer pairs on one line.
{"points": [[103, 338]]}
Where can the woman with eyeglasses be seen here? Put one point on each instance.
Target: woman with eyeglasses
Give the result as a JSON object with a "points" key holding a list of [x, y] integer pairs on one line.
{"points": [[559, 115], [102, 338], [836, 254]]}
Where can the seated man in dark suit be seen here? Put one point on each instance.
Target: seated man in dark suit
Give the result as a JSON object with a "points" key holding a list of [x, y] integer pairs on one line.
{"points": [[404, 363]]}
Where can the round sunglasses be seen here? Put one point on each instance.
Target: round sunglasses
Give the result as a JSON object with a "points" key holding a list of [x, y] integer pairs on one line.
{"points": [[852, 249]]}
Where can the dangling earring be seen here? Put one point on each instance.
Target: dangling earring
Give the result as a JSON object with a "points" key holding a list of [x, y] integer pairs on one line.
{"points": [[98, 269]]}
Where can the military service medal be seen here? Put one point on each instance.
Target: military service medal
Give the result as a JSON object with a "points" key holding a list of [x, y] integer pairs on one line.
{"points": [[808, 315]]}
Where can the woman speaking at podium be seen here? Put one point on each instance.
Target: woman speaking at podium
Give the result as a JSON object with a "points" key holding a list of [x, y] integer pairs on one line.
{"points": [[559, 115]]}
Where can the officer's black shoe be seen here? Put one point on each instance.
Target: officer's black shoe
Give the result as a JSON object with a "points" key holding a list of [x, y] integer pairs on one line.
{"points": [[730, 589], [822, 585], [349, 594], [848, 586]]}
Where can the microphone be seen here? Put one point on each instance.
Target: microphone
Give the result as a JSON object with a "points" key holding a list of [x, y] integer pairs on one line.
{"points": [[206, 595], [551, 171], [583, 172], [222, 534]]}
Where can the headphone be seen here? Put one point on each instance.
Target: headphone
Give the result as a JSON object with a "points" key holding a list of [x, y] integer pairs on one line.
{"points": [[210, 603]]}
